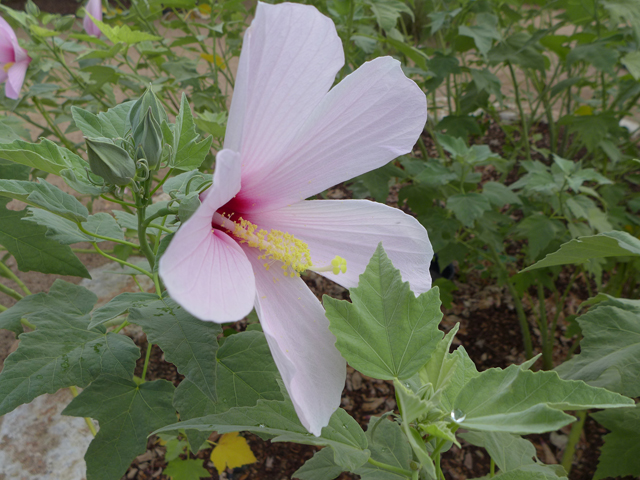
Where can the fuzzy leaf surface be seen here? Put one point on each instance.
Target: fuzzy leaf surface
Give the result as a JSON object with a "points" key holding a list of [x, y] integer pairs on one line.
{"points": [[61, 352], [609, 352], [517, 400], [127, 414], [620, 454], [386, 332]]}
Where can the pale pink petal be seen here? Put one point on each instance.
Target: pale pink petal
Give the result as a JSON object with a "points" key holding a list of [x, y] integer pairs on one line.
{"points": [[7, 35], [3, 75], [301, 344], [290, 57], [94, 7], [204, 269], [352, 229], [373, 116], [15, 79]]}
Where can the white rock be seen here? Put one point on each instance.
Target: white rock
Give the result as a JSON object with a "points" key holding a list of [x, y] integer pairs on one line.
{"points": [[37, 443]]}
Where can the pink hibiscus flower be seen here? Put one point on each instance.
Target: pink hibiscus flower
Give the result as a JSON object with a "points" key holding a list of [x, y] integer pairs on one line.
{"points": [[94, 7], [289, 137], [13, 61]]}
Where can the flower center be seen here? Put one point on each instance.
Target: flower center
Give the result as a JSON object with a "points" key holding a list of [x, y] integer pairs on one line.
{"points": [[7, 66]]}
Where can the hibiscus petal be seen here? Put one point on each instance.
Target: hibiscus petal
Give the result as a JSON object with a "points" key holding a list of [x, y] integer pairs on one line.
{"points": [[15, 79], [204, 269], [352, 229], [371, 117], [290, 57], [94, 7], [301, 344]]}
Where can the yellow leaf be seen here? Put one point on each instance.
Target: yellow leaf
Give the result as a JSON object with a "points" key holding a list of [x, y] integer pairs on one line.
{"points": [[232, 451], [584, 110], [205, 8], [209, 58]]}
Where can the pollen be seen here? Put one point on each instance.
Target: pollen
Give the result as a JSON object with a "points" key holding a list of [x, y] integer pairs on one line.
{"points": [[277, 246], [7, 66]]}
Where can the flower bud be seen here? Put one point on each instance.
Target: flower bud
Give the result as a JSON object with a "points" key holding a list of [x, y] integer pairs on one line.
{"points": [[148, 140], [110, 161], [142, 105]]}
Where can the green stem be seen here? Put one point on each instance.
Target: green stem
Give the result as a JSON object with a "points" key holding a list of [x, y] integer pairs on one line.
{"points": [[10, 291], [52, 126], [525, 128], [517, 301], [142, 238], [574, 438], [108, 239], [547, 341], [161, 182], [160, 227], [92, 428], [15, 278], [146, 360], [122, 262], [122, 325], [390, 468], [119, 202], [3, 308], [27, 323], [492, 468]]}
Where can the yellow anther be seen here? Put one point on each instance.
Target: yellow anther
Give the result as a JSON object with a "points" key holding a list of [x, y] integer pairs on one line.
{"points": [[7, 66], [276, 245]]}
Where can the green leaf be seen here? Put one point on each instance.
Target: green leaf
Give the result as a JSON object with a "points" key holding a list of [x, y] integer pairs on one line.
{"points": [[320, 467], [46, 156], [583, 249], [465, 370], [119, 305], [388, 444], [386, 332], [93, 126], [115, 120], [620, 454], [32, 249], [500, 195], [59, 229], [188, 153], [609, 352], [539, 230], [387, 12], [517, 400], [597, 54], [190, 469], [483, 33], [509, 451], [468, 207], [190, 344], [61, 352], [124, 34], [278, 418], [10, 170], [246, 373], [46, 196], [127, 413], [105, 225]]}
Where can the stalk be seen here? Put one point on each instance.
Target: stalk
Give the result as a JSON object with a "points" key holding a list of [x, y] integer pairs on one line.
{"points": [[574, 438]]}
